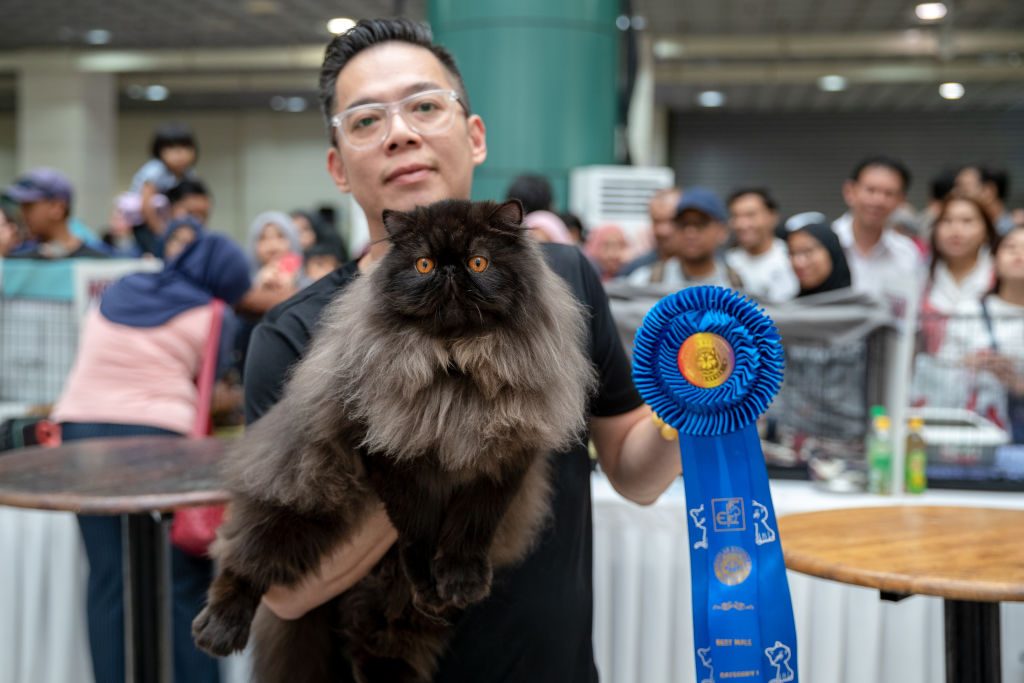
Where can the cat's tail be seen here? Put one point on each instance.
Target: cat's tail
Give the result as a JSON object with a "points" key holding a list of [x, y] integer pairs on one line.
{"points": [[304, 649]]}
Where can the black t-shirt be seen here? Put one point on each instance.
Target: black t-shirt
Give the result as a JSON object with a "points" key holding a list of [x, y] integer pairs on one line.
{"points": [[40, 253], [536, 625]]}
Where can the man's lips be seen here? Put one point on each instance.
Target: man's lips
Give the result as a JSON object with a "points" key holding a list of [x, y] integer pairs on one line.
{"points": [[408, 174]]}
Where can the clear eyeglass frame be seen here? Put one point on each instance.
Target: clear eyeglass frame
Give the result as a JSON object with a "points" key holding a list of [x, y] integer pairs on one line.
{"points": [[405, 108]]}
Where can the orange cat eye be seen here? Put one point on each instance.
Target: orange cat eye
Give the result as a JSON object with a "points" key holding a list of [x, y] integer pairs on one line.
{"points": [[424, 265], [478, 264]]}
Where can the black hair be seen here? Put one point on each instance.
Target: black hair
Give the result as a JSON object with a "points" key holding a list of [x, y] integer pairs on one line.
{"points": [[942, 184], [366, 34], [996, 176], [173, 135], [186, 188], [534, 191], [761, 192], [882, 161], [572, 221]]}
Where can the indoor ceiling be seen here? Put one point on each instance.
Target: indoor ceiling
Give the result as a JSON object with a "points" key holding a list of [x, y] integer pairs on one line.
{"points": [[761, 55]]}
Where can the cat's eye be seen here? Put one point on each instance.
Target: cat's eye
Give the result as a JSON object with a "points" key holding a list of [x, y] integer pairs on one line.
{"points": [[424, 265], [478, 264]]}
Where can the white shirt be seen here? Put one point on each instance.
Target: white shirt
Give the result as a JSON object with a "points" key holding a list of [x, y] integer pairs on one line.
{"points": [[946, 295], [768, 276], [892, 260]]}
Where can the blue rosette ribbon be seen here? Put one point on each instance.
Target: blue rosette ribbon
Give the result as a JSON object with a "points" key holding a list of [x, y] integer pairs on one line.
{"points": [[709, 361]]}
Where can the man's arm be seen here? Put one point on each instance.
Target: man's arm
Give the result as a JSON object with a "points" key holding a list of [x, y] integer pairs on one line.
{"points": [[639, 463]]}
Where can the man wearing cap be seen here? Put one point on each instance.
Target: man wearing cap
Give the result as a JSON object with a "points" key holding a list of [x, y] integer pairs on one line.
{"points": [[44, 197], [698, 230]]}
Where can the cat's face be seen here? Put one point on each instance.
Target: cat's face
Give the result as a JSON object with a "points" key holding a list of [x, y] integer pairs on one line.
{"points": [[456, 266]]}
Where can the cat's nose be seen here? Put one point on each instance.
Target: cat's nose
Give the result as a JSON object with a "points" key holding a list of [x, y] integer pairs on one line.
{"points": [[449, 270]]}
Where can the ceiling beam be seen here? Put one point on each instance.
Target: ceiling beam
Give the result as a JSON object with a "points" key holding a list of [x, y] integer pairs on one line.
{"points": [[854, 72], [909, 43]]}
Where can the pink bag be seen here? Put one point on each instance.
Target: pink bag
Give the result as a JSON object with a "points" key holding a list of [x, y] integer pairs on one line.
{"points": [[194, 528]]}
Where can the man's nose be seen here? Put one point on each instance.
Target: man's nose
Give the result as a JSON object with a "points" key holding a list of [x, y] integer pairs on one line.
{"points": [[400, 133]]}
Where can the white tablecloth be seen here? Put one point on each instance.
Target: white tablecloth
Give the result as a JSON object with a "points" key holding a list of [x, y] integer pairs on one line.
{"points": [[642, 623], [642, 627]]}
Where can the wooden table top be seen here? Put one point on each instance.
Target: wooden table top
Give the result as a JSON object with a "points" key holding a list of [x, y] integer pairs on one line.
{"points": [[951, 552], [114, 476]]}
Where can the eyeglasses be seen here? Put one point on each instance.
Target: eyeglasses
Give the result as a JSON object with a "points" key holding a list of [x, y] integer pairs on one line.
{"points": [[430, 112]]}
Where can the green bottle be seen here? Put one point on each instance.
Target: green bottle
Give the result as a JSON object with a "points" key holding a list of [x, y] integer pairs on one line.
{"points": [[879, 456], [916, 458]]}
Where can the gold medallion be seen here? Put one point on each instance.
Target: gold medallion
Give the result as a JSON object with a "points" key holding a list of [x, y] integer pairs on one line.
{"points": [[706, 360], [732, 565]]}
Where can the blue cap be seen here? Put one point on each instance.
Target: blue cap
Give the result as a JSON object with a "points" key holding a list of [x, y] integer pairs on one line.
{"points": [[39, 184], [704, 200]]}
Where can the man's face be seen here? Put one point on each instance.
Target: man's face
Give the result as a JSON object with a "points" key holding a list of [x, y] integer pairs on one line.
{"points": [[697, 236], [194, 205], [662, 210], [968, 183], [42, 218], [874, 196], [752, 222], [407, 169]]}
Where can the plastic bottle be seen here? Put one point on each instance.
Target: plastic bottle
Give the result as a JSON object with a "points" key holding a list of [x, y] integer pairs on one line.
{"points": [[916, 458], [879, 455]]}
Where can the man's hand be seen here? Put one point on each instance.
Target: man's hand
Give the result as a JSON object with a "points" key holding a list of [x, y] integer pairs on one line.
{"points": [[338, 571]]}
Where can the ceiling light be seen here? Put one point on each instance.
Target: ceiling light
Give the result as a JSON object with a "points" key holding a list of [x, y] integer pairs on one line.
{"points": [[97, 36], [832, 83], [711, 98], [339, 25], [930, 11], [951, 91], [622, 22], [157, 93], [668, 49], [296, 104], [638, 22], [278, 103]]}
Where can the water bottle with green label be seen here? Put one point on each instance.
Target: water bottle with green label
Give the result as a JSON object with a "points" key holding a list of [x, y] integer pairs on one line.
{"points": [[879, 453], [917, 458]]}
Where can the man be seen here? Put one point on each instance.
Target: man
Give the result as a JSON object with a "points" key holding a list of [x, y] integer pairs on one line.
{"points": [[760, 260], [536, 625], [690, 245], [662, 210], [44, 198], [877, 255], [190, 199], [989, 186]]}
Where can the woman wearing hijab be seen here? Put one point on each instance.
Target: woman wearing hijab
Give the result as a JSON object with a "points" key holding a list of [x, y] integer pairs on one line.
{"points": [[818, 259], [139, 355]]}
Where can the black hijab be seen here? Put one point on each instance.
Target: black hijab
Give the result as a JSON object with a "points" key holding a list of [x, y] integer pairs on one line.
{"points": [[839, 278]]}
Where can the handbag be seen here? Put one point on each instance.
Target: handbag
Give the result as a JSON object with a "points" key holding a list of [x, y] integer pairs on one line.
{"points": [[194, 528]]}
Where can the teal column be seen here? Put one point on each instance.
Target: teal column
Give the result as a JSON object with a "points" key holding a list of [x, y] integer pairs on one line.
{"points": [[543, 75]]}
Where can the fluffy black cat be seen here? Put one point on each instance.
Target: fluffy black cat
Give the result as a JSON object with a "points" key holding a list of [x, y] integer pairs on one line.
{"points": [[437, 383]]}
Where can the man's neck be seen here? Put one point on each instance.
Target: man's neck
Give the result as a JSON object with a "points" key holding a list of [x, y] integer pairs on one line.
{"points": [[379, 246], [698, 269], [865, 238], [761, 248], [63, 238], [1012, 292]]}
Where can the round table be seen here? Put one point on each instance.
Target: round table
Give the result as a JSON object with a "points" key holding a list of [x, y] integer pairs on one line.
{"points": [[137, 478], [971, 557]]}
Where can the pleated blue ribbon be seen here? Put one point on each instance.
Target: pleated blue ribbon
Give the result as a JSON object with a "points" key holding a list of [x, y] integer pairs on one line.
{"points": [[709, 361]]}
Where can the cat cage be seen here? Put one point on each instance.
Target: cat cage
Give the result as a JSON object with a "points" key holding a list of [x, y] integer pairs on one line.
{"points": [[967, 387], [41, 307], [839, 350]]}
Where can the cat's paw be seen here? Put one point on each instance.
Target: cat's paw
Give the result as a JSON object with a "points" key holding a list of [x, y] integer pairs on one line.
{"points": [[426, 601], [221, 631], [462, 581]]}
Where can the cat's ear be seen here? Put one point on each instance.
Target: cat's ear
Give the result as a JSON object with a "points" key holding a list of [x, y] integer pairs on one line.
{"points": [[394, 221], [508, 213]]}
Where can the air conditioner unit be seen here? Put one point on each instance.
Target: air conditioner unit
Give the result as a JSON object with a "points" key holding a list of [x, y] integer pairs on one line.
{"points": [[617, 194]]}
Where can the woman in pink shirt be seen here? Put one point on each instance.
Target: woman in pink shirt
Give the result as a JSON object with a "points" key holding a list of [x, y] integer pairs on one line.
{"points": [[135, 374]]}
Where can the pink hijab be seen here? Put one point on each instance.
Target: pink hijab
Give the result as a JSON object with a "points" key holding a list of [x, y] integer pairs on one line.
{"points": [[550, 225]]}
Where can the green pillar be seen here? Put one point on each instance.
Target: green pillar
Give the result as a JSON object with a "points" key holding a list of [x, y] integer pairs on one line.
{"points": [[543, 75]]}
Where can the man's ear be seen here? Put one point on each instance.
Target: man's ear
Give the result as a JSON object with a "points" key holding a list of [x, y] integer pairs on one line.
{"points": [[848, 192], [508, 213], [477, 139], [336, 167]]}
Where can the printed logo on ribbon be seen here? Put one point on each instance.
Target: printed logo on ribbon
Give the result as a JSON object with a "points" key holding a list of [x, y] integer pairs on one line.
{"points": [[706, 360], [697, 514], [728, 514], [779, 656], [705, 661], [732, 565], [763, 532]]}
